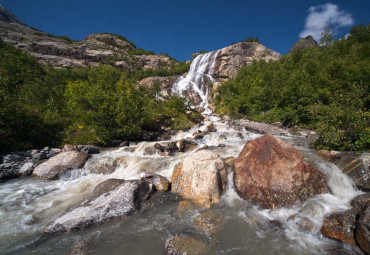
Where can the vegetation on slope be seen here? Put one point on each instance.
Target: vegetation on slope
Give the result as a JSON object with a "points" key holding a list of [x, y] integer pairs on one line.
{"points": [[325, 88], [41, 106]]}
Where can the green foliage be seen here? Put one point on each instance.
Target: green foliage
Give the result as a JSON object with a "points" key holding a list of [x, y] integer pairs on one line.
{"points": [[325, 88], [43, 106], [251, 39]]}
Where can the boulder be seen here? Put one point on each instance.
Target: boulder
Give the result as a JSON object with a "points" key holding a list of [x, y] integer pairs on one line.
{"points": [[341, 226], [60, 164], [270, 173], [70, 147], [26, 169], [200, 177], [351, 226], [101, 165], [109, 199], [363, 230], [184, 244], [158, 181]]}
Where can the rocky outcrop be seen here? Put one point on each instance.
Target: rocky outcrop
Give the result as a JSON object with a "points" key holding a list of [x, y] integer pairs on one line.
{"points": [[8, 16], [230, 59], [200, 177], [351, 226], [271, 173], [355, 165], [60, 164], [95, 49], [184, 244], [165, 84], [303, 43], [111, 198]]}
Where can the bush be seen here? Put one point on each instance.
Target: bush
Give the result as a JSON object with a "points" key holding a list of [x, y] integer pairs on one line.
{"points": [[325, 88]]}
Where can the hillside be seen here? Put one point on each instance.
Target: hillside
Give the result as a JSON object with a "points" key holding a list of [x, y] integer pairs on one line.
{"points": [[61, 51]]}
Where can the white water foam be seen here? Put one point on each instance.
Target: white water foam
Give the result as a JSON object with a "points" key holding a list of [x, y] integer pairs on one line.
{"points": [[201, 71]]}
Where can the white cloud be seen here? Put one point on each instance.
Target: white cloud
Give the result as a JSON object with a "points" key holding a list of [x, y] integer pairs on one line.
{"points": [[324, 15]]}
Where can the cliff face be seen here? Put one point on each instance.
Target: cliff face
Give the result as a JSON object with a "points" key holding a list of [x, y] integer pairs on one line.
{"points": [[7, 16], [230, 59], [95, 49]]}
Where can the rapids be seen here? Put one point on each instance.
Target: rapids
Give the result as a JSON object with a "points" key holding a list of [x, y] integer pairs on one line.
{"points": [[27, 204]]}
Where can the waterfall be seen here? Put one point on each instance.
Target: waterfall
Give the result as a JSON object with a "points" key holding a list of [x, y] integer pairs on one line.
{"points": [[197, 80]]}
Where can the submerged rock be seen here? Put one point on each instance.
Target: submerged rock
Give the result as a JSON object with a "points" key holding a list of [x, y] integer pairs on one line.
{"points": [[111, 198], [106, 165], [208, 222], [184, 244], [60, 164], [200, 177], [271, 173]]}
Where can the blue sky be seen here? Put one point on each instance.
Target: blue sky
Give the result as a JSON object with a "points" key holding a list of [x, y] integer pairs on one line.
{"points": [[180, 28]]}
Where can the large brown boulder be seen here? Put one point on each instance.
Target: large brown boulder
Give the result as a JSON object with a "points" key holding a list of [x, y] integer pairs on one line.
{"points": [[270, 173], [200, 177], [60, 164]]}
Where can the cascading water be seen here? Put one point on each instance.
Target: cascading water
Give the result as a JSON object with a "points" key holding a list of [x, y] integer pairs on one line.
{"points": [[27, 205], [197, 80]]}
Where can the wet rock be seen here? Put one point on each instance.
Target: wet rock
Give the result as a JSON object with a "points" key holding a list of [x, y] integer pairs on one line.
{"points": [[26, 169], [328, 155], [357, 167], [124, 144], [110, 199], [172, 146], [229, 161], [81, 247], [160, 147], [200, 177], [270, 173], [221, 145], [363, 230], [198, 135], [211, 128], [184, 244], [106, 165], [341, 227], [60, 164], [160, 183], [209, 222], [185, 206], [350, 226], [70, 147], [39, 156], [264, 128], [89, 149]]}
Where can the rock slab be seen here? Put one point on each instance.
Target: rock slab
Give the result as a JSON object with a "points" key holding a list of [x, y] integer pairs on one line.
{"points": [[111, 198], [60, 164]]}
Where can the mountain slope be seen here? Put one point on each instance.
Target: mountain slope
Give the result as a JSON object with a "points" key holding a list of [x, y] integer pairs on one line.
{"points": [[95, 49]]}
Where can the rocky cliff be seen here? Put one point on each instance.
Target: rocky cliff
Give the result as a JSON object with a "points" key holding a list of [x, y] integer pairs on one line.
{"points": [[61, 51], [303, 43]]}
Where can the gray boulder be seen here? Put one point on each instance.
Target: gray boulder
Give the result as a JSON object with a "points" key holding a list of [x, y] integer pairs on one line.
{"points": [[110, 199], [60, 164]]}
